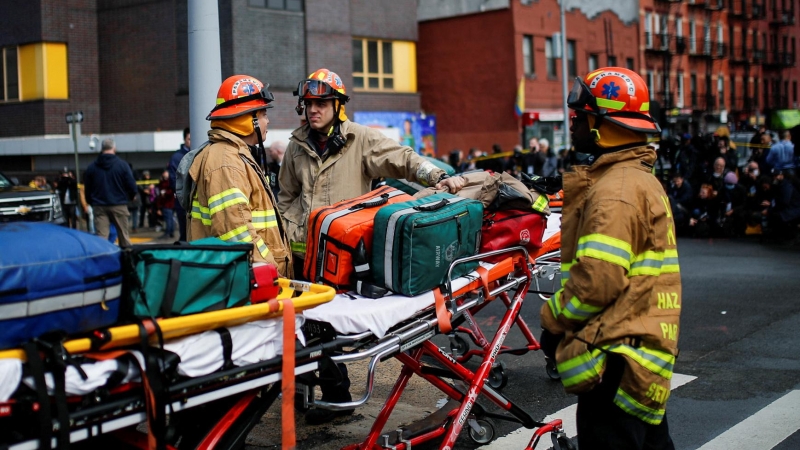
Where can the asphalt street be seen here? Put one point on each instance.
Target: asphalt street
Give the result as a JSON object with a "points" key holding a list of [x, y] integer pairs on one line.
{"points": [[737, 383]]}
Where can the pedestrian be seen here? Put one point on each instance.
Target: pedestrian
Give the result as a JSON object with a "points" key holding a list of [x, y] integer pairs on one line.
{"points": [[146, 187], [172, 168], [233, 200], [329, 159], [109, 187], [68, 194], [550, 166], [781, 155], [133, 208], [535, 158], [276, 151], [165, 204], [613, 327]]}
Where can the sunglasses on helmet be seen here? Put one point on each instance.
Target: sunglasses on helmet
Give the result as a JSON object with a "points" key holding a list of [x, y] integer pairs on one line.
{"points": [[580, 96]]}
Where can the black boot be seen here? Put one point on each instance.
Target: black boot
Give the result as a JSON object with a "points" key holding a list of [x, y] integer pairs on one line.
{"points": [[335, 389]]}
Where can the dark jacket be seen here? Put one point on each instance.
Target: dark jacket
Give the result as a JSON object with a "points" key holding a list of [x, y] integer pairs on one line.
{"points": [[68, 183], [172, 168], [109, 181], [787, 201]]}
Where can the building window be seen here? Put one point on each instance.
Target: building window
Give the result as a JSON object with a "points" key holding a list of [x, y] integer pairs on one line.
{"points": [[692, 37], [679, 100], [629, 63], [384, 65], [755, 95], [548, 54], [733, 93], [527, 55], [721, 90], [679, 27], [794, 93], [593, 63], [650, 82], [693, 90], [572, 68], [706, 39], [284, 5], [612, 61], [648, 30], [9, 88]]}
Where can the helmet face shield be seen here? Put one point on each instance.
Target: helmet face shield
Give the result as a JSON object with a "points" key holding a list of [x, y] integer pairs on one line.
{"points": [[315, 89]]}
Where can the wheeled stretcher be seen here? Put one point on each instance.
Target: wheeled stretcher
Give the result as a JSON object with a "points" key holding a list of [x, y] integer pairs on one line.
{"points": [[225, 370], [406, 336]]}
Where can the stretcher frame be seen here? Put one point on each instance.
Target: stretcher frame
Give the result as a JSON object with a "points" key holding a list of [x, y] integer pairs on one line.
{"points": [[256, 386], [411, 340]]}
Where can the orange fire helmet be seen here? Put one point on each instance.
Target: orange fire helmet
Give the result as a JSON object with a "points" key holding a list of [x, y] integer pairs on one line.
{"points": [[238, 95]]}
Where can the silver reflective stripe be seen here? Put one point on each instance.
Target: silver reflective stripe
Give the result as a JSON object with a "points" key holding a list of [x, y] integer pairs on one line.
{"points": [[362, 268], [390, 227], [59, 302]]}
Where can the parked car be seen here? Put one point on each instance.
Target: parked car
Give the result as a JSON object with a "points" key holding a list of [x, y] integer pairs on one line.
{"points": [[23, 203]]}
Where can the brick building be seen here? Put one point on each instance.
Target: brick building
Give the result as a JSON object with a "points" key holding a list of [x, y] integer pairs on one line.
{"points": [[124, 63], [713, 61], [472, 56]]}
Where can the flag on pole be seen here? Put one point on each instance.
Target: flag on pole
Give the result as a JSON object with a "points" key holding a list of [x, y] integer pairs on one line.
{"points": [[519, 105]]}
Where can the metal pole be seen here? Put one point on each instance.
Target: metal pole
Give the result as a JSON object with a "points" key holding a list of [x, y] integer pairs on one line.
{"points": [[205, 70], [565, 89], [74, 126]]}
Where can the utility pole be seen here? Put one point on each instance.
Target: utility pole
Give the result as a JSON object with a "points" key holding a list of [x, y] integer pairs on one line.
{"points": [[74, 119], [565, 89], [205, 69]]}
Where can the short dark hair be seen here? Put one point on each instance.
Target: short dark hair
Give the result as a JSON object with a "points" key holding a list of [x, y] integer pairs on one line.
{"points": [[185, 132]]}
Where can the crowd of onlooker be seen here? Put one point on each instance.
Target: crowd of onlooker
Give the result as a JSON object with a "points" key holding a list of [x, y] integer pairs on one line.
{"points": [[715, 193], [538, 159]]}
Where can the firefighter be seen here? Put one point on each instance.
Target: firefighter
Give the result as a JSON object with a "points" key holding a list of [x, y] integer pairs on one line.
{"points": [[613, 326], [330, 158], [233, 200]]}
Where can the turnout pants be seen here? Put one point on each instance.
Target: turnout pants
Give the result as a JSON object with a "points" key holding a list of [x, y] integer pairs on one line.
{"points": [[602, 425]]}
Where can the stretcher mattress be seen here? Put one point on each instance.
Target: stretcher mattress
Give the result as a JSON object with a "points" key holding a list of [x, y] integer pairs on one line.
{"points": [[200, 354], [553, 226], [351, 313]]}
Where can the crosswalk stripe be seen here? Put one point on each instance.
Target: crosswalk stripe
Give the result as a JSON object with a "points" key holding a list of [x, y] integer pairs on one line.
{"points": [[520, 437], [764, 429]]}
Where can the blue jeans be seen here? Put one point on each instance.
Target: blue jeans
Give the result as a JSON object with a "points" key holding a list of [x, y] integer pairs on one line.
{"points": [[169, 221]]}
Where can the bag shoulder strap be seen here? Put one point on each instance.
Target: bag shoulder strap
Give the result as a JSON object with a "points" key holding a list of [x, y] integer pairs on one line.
{"points": [[184, 184]]}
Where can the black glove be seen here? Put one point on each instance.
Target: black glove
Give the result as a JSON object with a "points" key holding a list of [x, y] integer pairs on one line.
{"points": [[549, 342]]}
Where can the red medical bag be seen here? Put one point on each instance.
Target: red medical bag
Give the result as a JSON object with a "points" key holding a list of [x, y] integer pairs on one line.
{"points": [[510, 228]]}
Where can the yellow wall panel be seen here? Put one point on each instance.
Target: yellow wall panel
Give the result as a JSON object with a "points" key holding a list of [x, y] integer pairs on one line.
{"points": [[56, 74], [43, 71], [405, 66], [31, 71]]}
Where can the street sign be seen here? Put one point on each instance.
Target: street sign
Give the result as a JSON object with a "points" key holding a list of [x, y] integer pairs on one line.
{"points": [[74, 117]]}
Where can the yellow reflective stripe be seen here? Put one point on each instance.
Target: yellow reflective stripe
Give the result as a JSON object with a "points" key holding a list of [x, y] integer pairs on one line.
{"points": [[200, 213], [262, 247], [648, 263], [645, 107], [656, 361], [224, 199], [634, 408], [565, 272], [264, 219], [670, 261], [299, 247], [610, 104], [577, 310], [605, 248], [241, 234], [541, 203], [655, 263], [581, 368], [555, 303]]}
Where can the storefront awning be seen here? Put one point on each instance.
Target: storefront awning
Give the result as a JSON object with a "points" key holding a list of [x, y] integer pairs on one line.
{"points": [[545, 115]]}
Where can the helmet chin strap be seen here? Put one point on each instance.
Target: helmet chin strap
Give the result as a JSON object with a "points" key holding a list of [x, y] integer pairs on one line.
{"points": [[260, 153]]}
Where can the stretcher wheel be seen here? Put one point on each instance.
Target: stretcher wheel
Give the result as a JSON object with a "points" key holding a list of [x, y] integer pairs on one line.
{"points": [[458, 346], [497, 377], [562, 442], [552, 371], [486, 433]]}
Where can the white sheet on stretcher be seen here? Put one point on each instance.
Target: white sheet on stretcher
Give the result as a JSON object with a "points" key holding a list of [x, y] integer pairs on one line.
{"points": [[553, 226], [200, 354], [351, 313]]}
